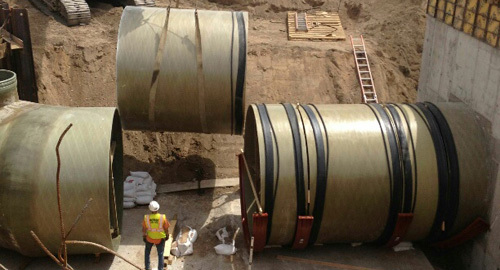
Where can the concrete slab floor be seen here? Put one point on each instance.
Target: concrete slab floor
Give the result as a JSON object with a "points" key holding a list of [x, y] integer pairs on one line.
{"points": [[207, 213]]}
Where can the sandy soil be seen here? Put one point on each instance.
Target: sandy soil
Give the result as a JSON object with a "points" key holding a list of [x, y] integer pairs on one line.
{"points": [[76, 67]]}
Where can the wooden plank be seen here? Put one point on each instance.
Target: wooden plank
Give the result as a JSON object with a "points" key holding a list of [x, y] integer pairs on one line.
{"points": [[494, 26], [470, 16], [431, 7], [168, 243], [451, 6], [458, 21], [321, 26], [481, 20], [193, 185], [15, 42], [6, 62], [329, 264], [441, 10]]}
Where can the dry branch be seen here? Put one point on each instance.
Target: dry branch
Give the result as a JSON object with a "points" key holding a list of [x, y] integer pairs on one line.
{"points": [[45, 249], [58, 180], [78, 218], [76, 242], [63, 262]]}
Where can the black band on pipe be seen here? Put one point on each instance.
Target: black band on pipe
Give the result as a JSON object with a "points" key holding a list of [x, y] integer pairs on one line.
{"points": [[240, 80], [453, 196], [319, 201], [269, 161], [397, 181], [405, 154], [297, 150], [327, 150], [415, 189], [308, 212], [388, 159], [231, 73], [442, 164], [327, 141]]}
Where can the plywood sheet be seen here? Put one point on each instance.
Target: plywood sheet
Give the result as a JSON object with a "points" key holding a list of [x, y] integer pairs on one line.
{"points": [[321, 26]]}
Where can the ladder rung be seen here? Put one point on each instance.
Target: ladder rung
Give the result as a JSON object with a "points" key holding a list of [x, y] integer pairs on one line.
{"points": [[362, 65], [367, 85], [361, 58], [364, 71], [366, 79], [369, 92]]}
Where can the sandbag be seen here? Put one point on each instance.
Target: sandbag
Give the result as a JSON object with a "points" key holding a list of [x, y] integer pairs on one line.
{"points": [[184, 242], [131, 193], [225, 249], [128, 185], [147, 180], [181, 249], [222, 234], [143, 200], [143, 188], [129, 199], [145, 193], [135, 179], [140, 174], [128, 204]]}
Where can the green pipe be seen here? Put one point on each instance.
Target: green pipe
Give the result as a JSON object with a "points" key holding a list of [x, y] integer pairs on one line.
{"points": [[28, 199], [361, 172], [181, 70]]}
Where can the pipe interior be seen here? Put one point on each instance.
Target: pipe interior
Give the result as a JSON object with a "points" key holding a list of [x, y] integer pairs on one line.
{"points": [[251, 148], [6, 74], [116, 177]]}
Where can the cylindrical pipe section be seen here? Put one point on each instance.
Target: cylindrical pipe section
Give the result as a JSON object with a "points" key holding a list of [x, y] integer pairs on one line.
{"points": [[91, 167], [181, 70], [355, 167], [8, 87]]}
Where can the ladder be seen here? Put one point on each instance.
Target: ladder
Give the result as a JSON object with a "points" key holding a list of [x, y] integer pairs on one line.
{"points": [[301, 22], [368, 94]]}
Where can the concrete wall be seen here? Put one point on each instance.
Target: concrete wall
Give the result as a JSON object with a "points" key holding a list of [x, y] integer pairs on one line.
{"points": [[459, 68]]}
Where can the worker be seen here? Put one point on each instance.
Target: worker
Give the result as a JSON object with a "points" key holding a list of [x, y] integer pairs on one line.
{"points": [[154, 232]]}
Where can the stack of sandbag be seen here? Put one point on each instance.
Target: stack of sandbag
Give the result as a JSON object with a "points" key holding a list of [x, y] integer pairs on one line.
{"points": [[139, 188], [129, 193]]}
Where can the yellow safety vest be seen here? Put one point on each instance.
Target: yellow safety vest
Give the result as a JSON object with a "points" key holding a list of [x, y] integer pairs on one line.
{"points": [[154, 225]]}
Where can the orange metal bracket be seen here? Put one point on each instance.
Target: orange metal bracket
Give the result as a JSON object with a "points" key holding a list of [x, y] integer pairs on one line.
{"points": [[476, 228], [402, 225], [304, 226]]}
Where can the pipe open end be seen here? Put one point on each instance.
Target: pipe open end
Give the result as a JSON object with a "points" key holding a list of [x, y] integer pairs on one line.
{"points": [[8, 87]]}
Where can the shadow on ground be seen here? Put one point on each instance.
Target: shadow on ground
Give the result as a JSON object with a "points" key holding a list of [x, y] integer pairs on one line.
{"points": [[181, 169]]}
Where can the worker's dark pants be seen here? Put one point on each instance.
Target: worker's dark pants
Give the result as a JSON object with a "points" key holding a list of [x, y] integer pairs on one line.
{"points": [[160, 247]]}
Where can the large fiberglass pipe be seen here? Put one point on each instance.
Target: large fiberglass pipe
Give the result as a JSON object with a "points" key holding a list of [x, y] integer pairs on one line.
{"points": [[354, 168], [91, 167], [181, 70]]}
